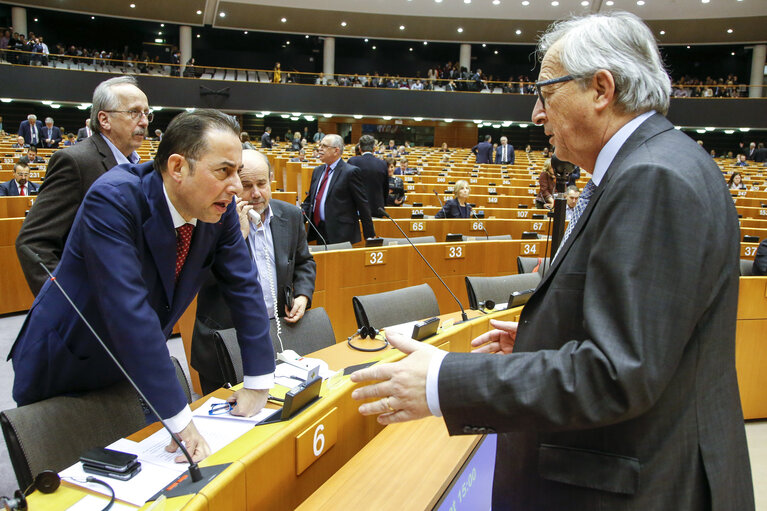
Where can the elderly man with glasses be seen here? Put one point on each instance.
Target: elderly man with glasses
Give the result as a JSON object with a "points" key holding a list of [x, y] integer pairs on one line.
{"points": [[120, 117], [617, 388]]}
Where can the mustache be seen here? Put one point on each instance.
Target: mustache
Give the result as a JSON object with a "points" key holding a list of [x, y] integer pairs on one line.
{"points": [[140, 131]]}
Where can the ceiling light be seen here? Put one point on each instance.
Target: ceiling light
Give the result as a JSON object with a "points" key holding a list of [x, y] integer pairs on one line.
{"points": [[460, 30], [425, 43], [86, 106], [610, 3], [523, 125], [309, 117], [496, 52], [296, 114], [662, 32], [284, 20], [640, 2], [410, 49], [729, 31], [700, 131], [525, 3], [467, 1], [5, 100], [386, 117], [154, 108], [307, 36], [343, 23], [745, 130], [438, 1], [327, 116], [496, 126], [222, 14], [358, 116], [704, 1], [688, 46], [418, 119], [506, 124], [285, 116], [259, 115], [198, 36], [366, 39], [159, 33], [294, 118], [448, 120], [518, 32], [484, 44], [132, 6], [478, 121], [554, 3], [585, 3], [93, 17], [287, 42], [190, 110], [733, 54], [402, 27], [159, 41], [35, 19], [246, 32], [56, 106], [48, 102], [162, 25], [496, 2], [199, 12], [374, 47], [729, 132]]}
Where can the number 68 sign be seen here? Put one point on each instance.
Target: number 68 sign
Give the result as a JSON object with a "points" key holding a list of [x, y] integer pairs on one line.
{"points": [[315, 440]]}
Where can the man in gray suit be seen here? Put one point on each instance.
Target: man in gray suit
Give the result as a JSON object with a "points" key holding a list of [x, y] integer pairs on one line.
{"points": [[281, 237], [119, 118], [617, 389]]}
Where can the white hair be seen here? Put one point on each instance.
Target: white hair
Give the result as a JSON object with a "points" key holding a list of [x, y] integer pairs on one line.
{"points": [[620, 43], [334, 141]]}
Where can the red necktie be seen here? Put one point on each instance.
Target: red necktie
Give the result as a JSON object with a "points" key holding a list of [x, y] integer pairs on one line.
{"points": [[21, 190], [318, 197], [183, 240]]}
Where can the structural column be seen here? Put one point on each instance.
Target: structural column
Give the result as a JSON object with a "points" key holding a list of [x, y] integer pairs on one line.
{"points": [[19, 20], [756, 89], [464, 59], [185, 45], [329, 57]]}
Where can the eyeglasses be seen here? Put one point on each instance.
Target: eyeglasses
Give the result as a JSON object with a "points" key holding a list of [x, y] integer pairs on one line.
{"points": [[134, 114], [538, 85], [325, 146]]}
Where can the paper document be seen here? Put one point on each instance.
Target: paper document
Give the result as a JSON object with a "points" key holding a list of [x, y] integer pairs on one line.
{"points": [[93, 503]]}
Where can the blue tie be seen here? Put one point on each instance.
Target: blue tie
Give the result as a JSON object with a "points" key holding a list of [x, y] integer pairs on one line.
{"points": [[580, 206]]}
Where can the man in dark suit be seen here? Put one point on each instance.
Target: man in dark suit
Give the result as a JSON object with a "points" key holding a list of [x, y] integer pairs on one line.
{"points": [[504, 153], [20, 185], [751, 152], [20, 143], [31, 130], [760, 156], [375, 175], [617, 389], [32, 156], [135, 258], [70, 173], [281, 237], [51, 134], [760, 260], [336, 201], [266, 138], [85, 131], [484, 150]]}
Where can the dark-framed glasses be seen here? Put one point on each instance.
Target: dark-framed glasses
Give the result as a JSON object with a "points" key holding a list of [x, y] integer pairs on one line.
{"points": [[134, 114], [552, 81]]}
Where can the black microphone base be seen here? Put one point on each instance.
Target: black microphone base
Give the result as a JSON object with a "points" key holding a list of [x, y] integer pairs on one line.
{"points": [[184, 485]]}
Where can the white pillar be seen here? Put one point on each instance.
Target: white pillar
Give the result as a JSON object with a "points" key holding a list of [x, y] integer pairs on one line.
{"points": [[757, 71], [465, 56], [185, 45], [19, 20], [329, 57]]}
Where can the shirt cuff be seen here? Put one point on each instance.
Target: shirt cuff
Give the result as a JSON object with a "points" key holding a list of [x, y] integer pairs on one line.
{"points": [[432, 383], [180, 420], [263, 382]]}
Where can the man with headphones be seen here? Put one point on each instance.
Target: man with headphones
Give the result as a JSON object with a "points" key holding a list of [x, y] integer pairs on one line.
{"points": [[286, 268]]}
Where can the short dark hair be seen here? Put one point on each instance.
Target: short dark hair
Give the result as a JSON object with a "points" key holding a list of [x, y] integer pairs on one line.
{"points": [[21, 162], [390, 161], [488, 138], [177, 138], [32, 148], [367, 143]]}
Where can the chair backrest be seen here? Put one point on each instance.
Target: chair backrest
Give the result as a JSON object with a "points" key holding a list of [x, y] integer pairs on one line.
{"points": [[528, 264], [313, 332], [417, 240], [53, 433], [344, 245], [498, 289], [394, 307], [746, 268], [181, 377]]}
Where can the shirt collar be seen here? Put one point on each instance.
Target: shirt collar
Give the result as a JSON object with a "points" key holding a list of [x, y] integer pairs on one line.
{"points": [[332, 166], [120, 157], [611, 148], [178, 220]]}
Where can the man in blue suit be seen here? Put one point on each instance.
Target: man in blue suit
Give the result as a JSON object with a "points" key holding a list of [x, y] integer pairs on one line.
{"points": [[504, 153], [20, 185], [51, 134], [31, 130], [484, 150], [137, 254]]}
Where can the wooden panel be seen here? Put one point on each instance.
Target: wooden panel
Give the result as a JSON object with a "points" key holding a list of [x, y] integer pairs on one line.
{"points": [[752, 298], [750, 363]]}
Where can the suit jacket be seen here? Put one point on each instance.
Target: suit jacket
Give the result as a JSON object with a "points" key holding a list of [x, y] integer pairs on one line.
{"points": [[760, 155], [25, 131], [345, 204], [452, 209], [760, 260], [484, 152], [295, 269], [266, 140], [375, 177], [119, 268], [621, 392], [54, 135], [69, 175], [11, 189], [82, 134], [509, 155]]}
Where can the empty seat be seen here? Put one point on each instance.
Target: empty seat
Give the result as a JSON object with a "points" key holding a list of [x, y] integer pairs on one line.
{"points": [[498, 289], [394, 307], [746, 268], [344, 245]]}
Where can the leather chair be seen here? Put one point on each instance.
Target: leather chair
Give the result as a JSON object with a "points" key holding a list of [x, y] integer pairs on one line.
{"points": [[380, 310]]}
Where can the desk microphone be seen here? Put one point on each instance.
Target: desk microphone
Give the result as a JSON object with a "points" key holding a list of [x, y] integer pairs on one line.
{"points": [[315, 230], [464, 317], [481, 224], [441, 204], [194, 470]]}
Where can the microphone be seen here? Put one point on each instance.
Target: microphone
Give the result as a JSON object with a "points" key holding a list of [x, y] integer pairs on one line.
{"points": [[441, 204], [463, 312], [315, 230], [194, 470], [482, 224]]}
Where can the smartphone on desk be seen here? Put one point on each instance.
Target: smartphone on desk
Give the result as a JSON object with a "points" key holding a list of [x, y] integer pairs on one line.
{"points": [[108, 459]]}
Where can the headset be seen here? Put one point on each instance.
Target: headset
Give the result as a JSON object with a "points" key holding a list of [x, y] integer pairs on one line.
{"points": [[367, 332]]}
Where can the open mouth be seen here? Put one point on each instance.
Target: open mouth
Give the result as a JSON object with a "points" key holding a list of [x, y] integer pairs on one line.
{"points": [[221, 206]]}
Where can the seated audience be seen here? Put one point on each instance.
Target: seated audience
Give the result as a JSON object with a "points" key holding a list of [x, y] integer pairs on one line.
{"points": [[760, 261], [20, 143], [301, 155], [736, 182], [546, 186], [457, 207], [404, 168], [572, 193], [741, 161], [33, 157], [245, 139], [20, 185], [71, 140], [396, 186]]}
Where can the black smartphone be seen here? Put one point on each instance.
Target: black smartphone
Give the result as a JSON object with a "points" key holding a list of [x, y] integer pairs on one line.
{"points": [[107, 459], [134, 469], [289, 297]]}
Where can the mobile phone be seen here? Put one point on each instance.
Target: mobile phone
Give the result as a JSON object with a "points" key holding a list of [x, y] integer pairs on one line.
{"points": [[107, 459], [134, 469], [289, 297]]}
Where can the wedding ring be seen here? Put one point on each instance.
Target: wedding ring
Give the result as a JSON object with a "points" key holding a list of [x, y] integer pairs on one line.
{"points": [[386, 402]]}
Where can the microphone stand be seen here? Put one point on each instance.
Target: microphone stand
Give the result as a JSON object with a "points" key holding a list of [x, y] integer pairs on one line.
{"points": [[482, 224], [441, 204], [315, 230], [194, 469], [464, 317]]}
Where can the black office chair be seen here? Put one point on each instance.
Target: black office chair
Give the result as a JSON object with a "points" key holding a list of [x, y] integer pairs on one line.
{"points": [[53, 433], [380, 310], [344, 245], [498, 289], [495, 237], [181, 377], [312, 332], [416, 240], [528, 264]]}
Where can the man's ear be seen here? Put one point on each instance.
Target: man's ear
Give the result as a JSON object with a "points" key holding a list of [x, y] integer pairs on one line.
{"points": [[604, 89], [103, 119], [176, 167]]}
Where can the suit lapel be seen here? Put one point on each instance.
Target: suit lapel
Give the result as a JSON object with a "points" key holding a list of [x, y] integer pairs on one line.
{"points": [[281, 241], [159, 233], [108, 160], [337, 173], [649, 128]]}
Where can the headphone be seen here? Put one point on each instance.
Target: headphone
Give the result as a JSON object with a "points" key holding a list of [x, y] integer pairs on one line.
{"points": [[46, 481], [368, 332]]}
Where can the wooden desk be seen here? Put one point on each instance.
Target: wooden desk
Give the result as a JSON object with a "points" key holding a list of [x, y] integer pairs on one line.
{"points": [[751, 346], [14, 292]]}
